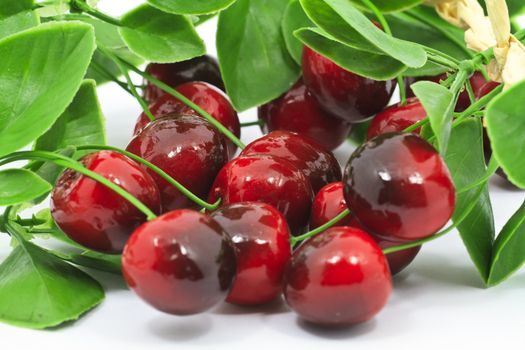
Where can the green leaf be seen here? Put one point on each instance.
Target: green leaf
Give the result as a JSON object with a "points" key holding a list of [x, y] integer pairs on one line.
{"points": [[359, 32], [389, 5], [81, 124], [509, 249], [254, 61], [294, 18], [359, 132], [20, 185], [38, 290], [96, 261], [466, 163], [506, 127], [364, 63], [159, 36], [16, 16], [191, 7], [41, 70], [438, 103]]}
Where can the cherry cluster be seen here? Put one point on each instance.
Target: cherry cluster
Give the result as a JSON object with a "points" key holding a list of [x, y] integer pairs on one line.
{"points": [[254, 246]]}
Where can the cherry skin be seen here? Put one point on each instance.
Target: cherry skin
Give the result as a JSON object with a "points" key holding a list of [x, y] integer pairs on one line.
{"points": [[397, 118], [330, 202], [268, 179], [181, 263], [93, 215], [338, 278], [261, 240], [203, 68], [344, 94], [399, 187], [317, 164], [186, 147], [298, 111]]}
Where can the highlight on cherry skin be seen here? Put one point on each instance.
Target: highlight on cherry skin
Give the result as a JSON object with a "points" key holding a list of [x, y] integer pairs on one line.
{"points": [[330, 202], [181, 263], [94, 216], [338, 278], [261, 241], [397, 118], [399, 187]]}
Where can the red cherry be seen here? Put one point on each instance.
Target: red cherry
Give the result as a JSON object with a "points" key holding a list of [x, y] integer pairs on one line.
{"points": [[181, 263], [267, 179], [487, 88], [338, 278], [206, 96], [399, 187], [261, 241], [330, 202], [344, 94], [298, 111], [186, 147], [203, 68], [92, 214], [397, 118], [317, 164]]}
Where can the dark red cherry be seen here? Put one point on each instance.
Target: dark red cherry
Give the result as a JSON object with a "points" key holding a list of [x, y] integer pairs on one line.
{"points": [[92, 214], [206, 96], [298, 111], [203, 68], [317, 164], [186, 147], [330, 202], [261, 240], [344, 94], [181, 263], [487, 88], [268, 179], [397, 118], [399, 187], [338, 278]]}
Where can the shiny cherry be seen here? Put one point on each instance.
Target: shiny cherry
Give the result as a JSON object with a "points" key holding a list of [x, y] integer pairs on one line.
{"points": [[298, 111], [186, 147], [203, 68], [399, 187], [344, 94], [330, 202], [206, 96], [268, 179], [93, 215], [317, 164], [261, 241], [338, 278], [181, 263], [397, 118]]}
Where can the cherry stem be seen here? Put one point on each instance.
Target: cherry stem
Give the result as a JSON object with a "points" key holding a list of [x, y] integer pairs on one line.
{"points": [[186, 101], [322, 228], [108, 75], [470, 92], [476, 106], [82, 6], [258, 122], [417, 125], [158, 171], [77, 166]]}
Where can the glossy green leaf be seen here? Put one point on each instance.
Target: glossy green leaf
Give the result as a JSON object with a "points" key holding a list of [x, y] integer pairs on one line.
{"points": [[438, 102], [40, 72], [367, 64], [389, 5], [191, 7], [506, 127], [20, 185], [328, 14], [97, 261], [38, 290], [254, 61], [159, 36], [16, 16], [359, 132], [294, 18], [82, 123], [466, 162], [509, 249]]}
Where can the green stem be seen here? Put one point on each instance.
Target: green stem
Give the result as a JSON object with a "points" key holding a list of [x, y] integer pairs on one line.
{"points": [[108, 75], [402, 90], [476, 106], [74, 165], [30, 222], [322, 228], [417, 125], [158, 171], [258, 122], [470, 91], [491, 169], [82, 6]]}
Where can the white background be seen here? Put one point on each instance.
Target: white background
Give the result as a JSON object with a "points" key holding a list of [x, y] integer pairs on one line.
{"points": [[437, 303]]}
